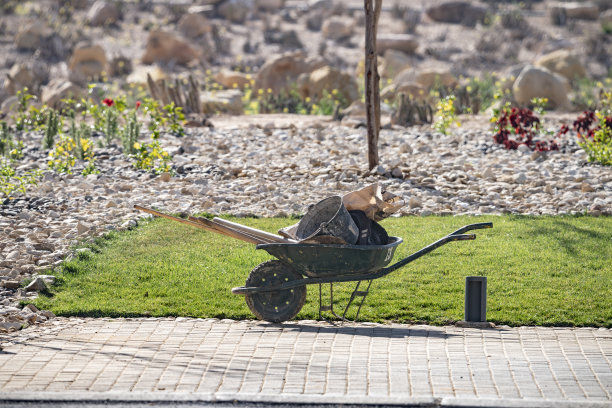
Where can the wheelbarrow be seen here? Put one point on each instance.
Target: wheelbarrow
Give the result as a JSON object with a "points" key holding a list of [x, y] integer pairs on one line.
{"points": [[276, 290]]}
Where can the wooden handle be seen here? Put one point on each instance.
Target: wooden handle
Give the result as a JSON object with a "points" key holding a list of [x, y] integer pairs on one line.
{"points": [[230, 232], [219, 229], [253, 231]]}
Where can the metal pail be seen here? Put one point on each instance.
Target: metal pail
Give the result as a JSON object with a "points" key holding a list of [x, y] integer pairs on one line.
{"points": [[328, 217]]}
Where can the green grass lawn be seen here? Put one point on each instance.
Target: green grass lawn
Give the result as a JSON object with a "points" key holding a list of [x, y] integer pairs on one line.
{"points": [[540, 270]]}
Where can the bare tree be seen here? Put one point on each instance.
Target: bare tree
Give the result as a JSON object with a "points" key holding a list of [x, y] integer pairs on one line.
{"points": [[372, 79]]}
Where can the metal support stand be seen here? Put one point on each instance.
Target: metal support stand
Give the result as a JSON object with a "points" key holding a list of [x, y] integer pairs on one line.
{"points": [[330, 308], [475, 299]]}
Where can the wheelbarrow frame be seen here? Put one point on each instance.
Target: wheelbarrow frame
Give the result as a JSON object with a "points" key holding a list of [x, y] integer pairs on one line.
{"points": [[347, 276]]}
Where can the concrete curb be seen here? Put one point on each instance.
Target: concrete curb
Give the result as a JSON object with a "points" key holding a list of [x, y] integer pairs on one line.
{"points": [[183, 397]]}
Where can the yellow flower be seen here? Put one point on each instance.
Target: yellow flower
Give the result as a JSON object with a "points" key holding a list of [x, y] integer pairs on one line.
{"points": [[164, 153], [260, 91], [334, 92], [248, 76], [137, 145], [307, 100], [269, 90]]}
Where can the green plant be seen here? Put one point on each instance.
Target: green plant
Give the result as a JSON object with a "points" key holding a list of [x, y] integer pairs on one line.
{"points": [[152, 157], [130, 134], [6, 138], [156, 119], [539, 105], [111, 125], [599, 148], [175, 117], [52, 128], [445, 115], [11, 181], [62, 158], [22, 107]]}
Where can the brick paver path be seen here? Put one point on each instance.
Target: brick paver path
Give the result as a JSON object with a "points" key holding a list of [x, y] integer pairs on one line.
{"points": [[367, 361]]}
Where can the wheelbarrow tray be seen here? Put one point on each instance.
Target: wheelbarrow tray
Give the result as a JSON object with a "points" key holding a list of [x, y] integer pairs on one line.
{"points": [[325, 260]]}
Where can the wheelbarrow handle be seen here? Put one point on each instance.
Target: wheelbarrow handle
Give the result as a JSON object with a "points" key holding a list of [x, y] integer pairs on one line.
{"points": [[470, 227]]}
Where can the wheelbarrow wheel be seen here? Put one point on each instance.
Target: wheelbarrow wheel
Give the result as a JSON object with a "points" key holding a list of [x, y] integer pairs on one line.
{"points": [[279, 305]]}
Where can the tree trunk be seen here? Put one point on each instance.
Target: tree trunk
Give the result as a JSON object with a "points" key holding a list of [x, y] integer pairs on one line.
{"points": [[372, 79]]}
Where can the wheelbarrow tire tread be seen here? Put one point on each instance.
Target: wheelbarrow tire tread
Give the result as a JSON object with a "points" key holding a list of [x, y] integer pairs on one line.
{"points": [[277, 306]]}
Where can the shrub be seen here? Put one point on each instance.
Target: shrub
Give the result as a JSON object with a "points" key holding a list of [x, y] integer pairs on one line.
{"points": [[514, 126], [445, 114]]}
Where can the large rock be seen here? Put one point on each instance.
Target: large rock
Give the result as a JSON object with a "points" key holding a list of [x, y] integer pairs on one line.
{"points": [[426, 78], [458, 12], [236, 11], [31, 37], [580, 10], [165, 47], [88, 61], [233, 79], [193, 25], [281, 73], [20, 76], [393, 63], [139, 75], [536, 82], [399, 42], [228, 101], [338, 28], [59, 89], [37, 285], [269, 5], [412, 89], [564, 62], [329, 79], [103, 13]]}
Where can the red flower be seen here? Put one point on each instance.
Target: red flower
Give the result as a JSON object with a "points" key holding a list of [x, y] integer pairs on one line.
{"points": [[108, 102], [137, 105]]}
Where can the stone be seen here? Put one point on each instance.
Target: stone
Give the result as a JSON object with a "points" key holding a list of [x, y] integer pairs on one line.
{"points": [[414, 202], [236, 11], [83, 227], [227, 101], [30, 307], [425, 78], [338, 28], [165, 176], [564, 62], [103, 13], [281, 72], [165, 47], [269, 5], [193, 25], [49, 279], [47, 313], [88, 61], [519, 178], [582, 10], [20, 76], [36, 285], [139, 75], [32, 36], [397, 173], [586, 188], [329, 79], [393, 63], [11, 284], [536, 82], [405, 43], [411, 89], [457, 12], [59, 89], [10, 326], [232, 79]]}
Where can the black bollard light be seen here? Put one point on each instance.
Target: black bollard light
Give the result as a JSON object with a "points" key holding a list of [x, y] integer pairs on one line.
{"points": [[476, 299]]}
